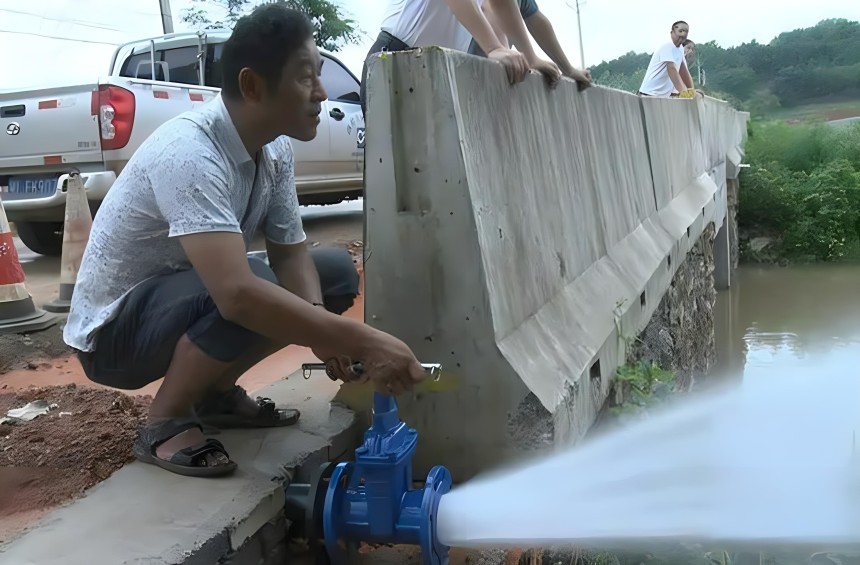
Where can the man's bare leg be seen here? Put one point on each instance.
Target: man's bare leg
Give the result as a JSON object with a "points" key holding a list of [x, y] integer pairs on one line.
{"points": [[190, 374], [226, 405], [247, 407]]}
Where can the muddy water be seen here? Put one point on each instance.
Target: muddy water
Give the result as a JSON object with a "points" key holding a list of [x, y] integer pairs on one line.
{"points": [[776, 319]]}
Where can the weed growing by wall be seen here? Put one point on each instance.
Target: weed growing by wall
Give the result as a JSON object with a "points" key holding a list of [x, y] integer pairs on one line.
{"points": [[640, 386]]}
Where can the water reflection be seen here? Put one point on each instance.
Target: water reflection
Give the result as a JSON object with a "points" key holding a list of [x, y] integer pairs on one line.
{"points": [[778, 319]]}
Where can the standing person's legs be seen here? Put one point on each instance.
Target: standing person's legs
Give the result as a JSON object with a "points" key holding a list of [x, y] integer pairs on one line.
{"points": [[384, 42], [169, 327]]}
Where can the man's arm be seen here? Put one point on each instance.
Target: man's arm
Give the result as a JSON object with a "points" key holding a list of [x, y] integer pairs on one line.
{"points": [[685, 75], [287, 319], [467, 12], [494, 23], [285, 235], [675, 77], [511, 21], [265, 308], [541, 29], [296, 270]]}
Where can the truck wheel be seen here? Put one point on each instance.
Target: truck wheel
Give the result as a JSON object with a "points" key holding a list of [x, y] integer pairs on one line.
{"points": [[44, 238]]}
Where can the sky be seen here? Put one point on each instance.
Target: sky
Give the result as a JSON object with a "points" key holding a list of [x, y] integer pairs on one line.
{"points": [[50, 42]]}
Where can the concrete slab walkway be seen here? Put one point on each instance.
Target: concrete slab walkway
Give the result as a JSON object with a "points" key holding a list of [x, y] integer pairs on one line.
{"points": [[143, 514]]}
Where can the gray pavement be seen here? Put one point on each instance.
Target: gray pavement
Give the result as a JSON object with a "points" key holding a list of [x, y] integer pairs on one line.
{"points": [[143, 514]]}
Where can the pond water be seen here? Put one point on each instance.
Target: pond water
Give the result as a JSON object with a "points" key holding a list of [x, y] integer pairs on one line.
{"points": [[777, 320]]}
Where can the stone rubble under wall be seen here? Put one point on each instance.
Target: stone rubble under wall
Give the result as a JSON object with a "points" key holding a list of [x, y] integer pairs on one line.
{"points": [[734, 242], [680, 335]]}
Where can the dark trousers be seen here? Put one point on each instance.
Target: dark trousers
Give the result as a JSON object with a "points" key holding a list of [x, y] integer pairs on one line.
{"points": [[384, 42], [136, 347]]}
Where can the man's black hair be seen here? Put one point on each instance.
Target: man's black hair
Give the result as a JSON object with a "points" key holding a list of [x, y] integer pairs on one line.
{"points": [[679, 22], [263, 41]]}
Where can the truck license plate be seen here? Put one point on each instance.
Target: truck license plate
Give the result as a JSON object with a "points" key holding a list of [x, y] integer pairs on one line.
{"points": [[23, 188]]}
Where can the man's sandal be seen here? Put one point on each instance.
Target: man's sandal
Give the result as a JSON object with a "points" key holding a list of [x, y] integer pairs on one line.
{"points": [[219, 411], [190, 461]]}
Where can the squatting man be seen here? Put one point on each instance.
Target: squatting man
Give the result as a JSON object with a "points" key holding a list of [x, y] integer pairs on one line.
{"points": [[166, 288]]}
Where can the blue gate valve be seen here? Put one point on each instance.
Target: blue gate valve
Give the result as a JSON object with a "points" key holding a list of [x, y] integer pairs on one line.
{"points": [[372, 500]]}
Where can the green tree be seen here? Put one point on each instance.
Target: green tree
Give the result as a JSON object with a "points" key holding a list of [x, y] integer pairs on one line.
{"points": [[199, 17], [332, 28], [797, 67]]}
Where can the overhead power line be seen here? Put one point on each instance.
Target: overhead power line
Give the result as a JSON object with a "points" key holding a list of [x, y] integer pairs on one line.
{"points": [[61, 20], [59, 37]]}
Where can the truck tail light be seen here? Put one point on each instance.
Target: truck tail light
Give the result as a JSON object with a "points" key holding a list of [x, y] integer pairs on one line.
{"points": [[114, 107]]}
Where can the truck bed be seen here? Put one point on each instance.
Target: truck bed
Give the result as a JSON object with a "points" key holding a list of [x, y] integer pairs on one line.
{"points": [[48, 126]]}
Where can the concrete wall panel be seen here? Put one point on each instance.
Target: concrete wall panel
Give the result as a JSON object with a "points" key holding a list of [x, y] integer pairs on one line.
{"points": [[519, 167], [618, 161], [674, 137], [517, 235]]}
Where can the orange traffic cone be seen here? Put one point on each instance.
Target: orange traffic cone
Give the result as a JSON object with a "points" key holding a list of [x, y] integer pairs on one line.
{"points": [[18, 314], [76, 233]]}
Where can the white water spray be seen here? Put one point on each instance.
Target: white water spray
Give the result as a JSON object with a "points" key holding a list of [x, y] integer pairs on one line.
{"points": [[769, 463]]}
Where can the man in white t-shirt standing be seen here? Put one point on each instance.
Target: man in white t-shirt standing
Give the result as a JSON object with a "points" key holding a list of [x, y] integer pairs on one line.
{"points": [[667, 72], [410, 24]]}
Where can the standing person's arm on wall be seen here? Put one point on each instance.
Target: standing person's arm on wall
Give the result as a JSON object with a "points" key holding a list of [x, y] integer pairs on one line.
{"points": [[467, 12], [675, 77], [511, 21], [494, 23], [686, 77], [541, 29]]}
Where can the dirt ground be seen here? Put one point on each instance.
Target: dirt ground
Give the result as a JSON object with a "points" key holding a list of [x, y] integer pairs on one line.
{"points": [[55, 457]]}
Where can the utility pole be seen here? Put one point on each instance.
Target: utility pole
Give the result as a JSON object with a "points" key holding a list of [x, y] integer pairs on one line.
{"points": [[166, 16], [700, 69], [579, 27]]}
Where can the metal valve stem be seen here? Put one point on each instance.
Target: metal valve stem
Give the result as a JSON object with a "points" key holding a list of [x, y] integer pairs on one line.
{"points": [[432, 369]]}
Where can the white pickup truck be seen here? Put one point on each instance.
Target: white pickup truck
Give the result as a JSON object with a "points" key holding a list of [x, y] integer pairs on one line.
{"points": [[95, 127]]}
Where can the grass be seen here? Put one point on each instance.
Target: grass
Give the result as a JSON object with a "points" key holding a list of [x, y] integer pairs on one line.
{"points": [[823, 111]]}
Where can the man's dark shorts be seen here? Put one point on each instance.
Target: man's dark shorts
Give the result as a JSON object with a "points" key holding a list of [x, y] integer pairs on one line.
{"points": [[136, 347]]}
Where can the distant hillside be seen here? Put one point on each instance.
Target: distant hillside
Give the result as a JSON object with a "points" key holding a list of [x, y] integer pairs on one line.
{"points": [[797, 67]]}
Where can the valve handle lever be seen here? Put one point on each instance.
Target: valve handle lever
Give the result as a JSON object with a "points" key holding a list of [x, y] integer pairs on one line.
{"points": [[434, 370]]}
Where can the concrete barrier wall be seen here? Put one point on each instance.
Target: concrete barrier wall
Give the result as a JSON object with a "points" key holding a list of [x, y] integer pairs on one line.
{"points": [[518, 235]]}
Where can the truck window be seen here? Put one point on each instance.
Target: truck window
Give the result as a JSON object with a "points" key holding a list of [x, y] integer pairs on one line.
{"points": [[137, 66], [181, 64], [338, 82]]}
